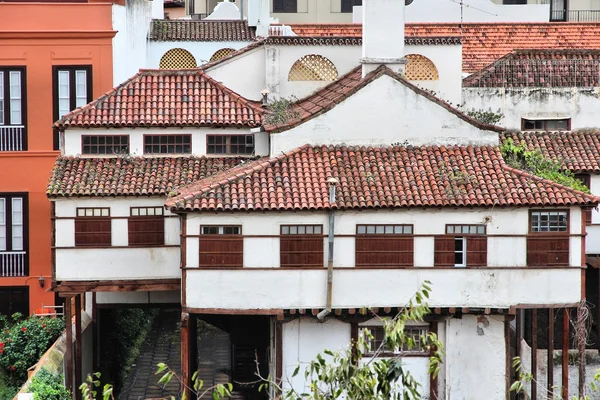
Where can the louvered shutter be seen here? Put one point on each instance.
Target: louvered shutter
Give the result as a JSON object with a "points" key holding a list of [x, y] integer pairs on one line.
{"points": [[476, 251], [444, 251]]}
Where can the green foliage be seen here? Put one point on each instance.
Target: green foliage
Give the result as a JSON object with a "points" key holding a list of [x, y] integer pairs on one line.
{"points": [[533, 161], [92, 382], [280, 112], [23, 342], [48, 386], [485, 117], [198, 390], [338, 375], [123, 345], [7, 389]]}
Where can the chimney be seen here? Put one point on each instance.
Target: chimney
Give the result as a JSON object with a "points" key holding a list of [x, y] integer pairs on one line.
{"points": [[383, 35], [259, 15]]}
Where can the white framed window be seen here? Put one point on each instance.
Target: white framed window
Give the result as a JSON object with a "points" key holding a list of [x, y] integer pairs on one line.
{"points": [[12, 222], [549, 221], [221, 230], [64, 100], [2, 224], [378, 346], [1, 97], [460, 251], [16, 100], [12, 93]]}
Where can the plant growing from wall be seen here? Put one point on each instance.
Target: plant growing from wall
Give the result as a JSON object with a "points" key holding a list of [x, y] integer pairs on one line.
{"points": [[48, 386], [520, 157], [24, 342], [485, 116]]}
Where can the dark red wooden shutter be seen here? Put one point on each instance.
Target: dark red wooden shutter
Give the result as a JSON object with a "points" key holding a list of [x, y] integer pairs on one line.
{"points": [[476, 251], [91, 231], [548, 251], [221, 251], [301, 251], [444, 251], [384, 251], [146, 231]]}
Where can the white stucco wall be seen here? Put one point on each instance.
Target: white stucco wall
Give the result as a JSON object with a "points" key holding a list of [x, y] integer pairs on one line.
{"points": [[303, 339], [136, 138], [475, 11], [401, 115], [74, 263], [475, 364], [592, 243], [261, 284], [202, 51], [129, 44], [581, 105]]}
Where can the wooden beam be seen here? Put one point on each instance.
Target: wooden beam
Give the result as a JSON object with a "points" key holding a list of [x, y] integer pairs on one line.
{"points": [[565, 355], [119, 286], [69, 349], [437, 310], [387, 309], [78, 350], [185, 355], [452, 310], [487, 311], [338, 311], [232, 311], [465, 310], [534, 348], [550, 361]]}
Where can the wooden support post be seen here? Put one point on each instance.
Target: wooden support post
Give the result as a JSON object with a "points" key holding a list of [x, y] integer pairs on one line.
{"points": [[69, 349], [507, 361], [580, 334], [534, 348], [193, 347], [550, 361], [278, 352], [433, 381], [519, 330], [78, 349], [95, 334], [185, 355], [565, 355]]}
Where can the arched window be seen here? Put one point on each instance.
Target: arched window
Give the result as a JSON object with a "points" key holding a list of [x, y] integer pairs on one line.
{"points": [[221, 54], [420, 68], [177, 59], [313, 67]]}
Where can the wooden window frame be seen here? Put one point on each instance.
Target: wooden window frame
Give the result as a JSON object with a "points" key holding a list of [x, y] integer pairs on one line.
{"points": [[7, 99], [113, 145], [374, 329], [229, 146], [285, 7], [185, 135], [393, 238], [146, 238], [105, 219], [474, 246], [288, 243], [545, 123], [220, 258], [72, 69], [551, 248]]}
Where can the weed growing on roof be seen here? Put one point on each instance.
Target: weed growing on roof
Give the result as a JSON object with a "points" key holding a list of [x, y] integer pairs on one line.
{"points": [[280, 112], [520, 157]]}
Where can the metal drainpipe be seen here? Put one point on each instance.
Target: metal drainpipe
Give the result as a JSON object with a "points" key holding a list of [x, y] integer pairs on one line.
{"points": [[324, 313]]}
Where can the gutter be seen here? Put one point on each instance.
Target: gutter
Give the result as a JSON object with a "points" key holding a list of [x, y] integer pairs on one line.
{"points": [[332, 182]]}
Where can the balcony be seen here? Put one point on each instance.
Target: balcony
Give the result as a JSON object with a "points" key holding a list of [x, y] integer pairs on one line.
{"points": [[13, 263], [575, 16], [12, 138]]}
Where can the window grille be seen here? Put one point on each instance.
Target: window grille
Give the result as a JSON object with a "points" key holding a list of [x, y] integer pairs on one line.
{"points": [[118, 144], [167, 144], [230, 144], [221, 54], [177, 59], [377, 342], [313, 67], [549, 221], [420, 68]]}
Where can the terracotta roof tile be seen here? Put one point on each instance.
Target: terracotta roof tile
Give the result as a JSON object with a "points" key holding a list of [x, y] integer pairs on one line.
{"points": [[131, 176], [331, 95], [540, 68], [578, 151], [164, 30], [376, 177], [162, 98], [483, 43]]}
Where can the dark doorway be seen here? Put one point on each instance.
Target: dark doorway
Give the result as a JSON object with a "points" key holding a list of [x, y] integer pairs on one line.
{"points": [[14, 299]]}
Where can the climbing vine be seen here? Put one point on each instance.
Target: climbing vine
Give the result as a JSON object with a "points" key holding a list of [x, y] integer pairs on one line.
{"points": [[520, 157]]}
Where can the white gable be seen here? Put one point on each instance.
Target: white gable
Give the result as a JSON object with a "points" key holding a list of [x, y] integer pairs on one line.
{"points": [[384, 112]]}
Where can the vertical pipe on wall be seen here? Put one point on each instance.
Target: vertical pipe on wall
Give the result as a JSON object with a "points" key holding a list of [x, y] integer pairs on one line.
{"points": [[332, 187]]}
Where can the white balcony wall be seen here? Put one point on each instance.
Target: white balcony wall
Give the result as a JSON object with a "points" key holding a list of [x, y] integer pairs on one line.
{"points": [[202, 51], [73, 140], [155, 297], [124, 263], [461, 287]]}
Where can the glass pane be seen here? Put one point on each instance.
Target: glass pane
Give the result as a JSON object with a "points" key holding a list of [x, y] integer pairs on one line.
{"points": [[2, 211], [361, 229], [1, 98], [450, 229], [301, 230], [142, 211], [293, 230], [17, 211], [408, 230], [389, 229], [135, 212], [105, 212], [458, 258], [309, 230], [458, 245], [370, 229], [2, 224], [285, 230], [81, 84], [15, 111], [17, 238], [15, 84], [89, 212], [473, 229], [64, 107], [318, 229], [2, 238], [63, 84], [481, 229], [379, 229]]}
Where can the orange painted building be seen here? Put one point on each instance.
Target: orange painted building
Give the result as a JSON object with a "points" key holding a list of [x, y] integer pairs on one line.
{"points": [[53, 57]]}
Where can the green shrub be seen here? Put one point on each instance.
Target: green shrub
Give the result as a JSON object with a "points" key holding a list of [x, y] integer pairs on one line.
{"points": [[48, 386], [23, 342]]}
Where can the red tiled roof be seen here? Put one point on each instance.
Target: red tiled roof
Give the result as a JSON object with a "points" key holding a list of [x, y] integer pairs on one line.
{"points": [[540, 68], [331, 95], [577, 151], [165, 30], [132, 176], [376, 177], [162, 98], [483, 43]]}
